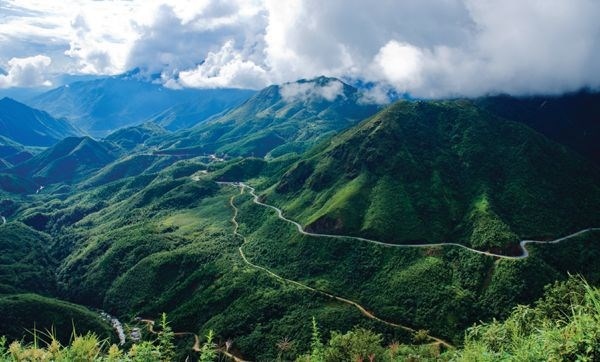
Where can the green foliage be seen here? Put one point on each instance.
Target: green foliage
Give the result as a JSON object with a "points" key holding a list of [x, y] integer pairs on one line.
{"points": [[139, 241], [24, 261], [208, 351], [165, 340], [268, 122], [437, 171], [540, 332], [316, 345], [359, 344], [25, 312]]}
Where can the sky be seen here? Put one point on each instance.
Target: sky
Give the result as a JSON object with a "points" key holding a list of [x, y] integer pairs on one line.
{"points": [[428, 48]]}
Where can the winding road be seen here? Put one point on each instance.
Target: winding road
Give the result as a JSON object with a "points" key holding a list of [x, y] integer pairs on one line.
{"points": [[362, 309], [522, 244]]}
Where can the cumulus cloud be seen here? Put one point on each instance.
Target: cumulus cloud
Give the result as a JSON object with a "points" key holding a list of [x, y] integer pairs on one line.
{"points": [[225, 68], [26, 72], [428, 48], [176, 40], [329, 90]]}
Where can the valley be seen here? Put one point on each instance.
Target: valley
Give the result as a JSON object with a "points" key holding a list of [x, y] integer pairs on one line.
{"points": [[414, 221]]}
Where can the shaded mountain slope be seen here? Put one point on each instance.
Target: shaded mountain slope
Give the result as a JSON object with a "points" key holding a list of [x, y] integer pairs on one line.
{"points": [[12, 153], [208, 104], [442, 171], [70, 160], [31, 127], [571, 119]]}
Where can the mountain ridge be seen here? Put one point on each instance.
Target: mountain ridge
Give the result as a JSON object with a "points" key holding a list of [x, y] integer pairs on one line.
{"points": [[454, 149], [31, 127], [279, 119]]}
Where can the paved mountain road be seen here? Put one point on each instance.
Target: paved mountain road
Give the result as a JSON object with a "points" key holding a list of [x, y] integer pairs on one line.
{"points": [[362, 309], [522, 244]]}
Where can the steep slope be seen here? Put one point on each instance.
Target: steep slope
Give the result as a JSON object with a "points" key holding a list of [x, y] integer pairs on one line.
{"points": [[21, 313], [279, 119], [12, 153], [103, 105], [31, 127], [571, 119], [207, 105], [70, 160], [130, 138], [442, 171], [26, 267]]}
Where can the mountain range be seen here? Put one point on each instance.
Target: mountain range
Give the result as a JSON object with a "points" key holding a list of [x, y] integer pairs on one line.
{"points": [[153, 217], [279, 119], [100, 106]]}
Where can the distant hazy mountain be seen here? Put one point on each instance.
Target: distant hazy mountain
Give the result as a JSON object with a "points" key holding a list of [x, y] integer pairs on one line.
{"points": [[571, 119], [439, 171], [103, 105], [279, 119], [31, 127], [70, 160]]}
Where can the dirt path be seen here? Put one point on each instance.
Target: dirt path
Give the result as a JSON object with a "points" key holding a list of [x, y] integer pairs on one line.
{"points": [[362, 309]]}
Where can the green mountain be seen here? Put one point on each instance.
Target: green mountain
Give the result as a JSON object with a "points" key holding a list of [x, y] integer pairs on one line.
{"points": [[279, 119], [22, 313], [69, 160], [31, 127], [442, 171], [25, 265], [203, 108], [12, 153], [137, 230], [130, 138], [100, 106]]}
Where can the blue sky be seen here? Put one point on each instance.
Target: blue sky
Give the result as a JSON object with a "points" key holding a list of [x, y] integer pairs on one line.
{"points": [[430, 48]]}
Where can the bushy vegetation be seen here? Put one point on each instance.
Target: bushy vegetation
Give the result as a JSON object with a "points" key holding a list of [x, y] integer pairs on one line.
{"points": [[564, 325], [46, 346], [24, 313], [441, 171]]}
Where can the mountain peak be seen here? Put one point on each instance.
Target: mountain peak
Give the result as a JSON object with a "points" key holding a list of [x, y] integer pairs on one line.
{"points": [[8, 100]]}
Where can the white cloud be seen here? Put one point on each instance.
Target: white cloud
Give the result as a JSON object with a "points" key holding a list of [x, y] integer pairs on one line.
{"points": [[26, 72], [178, 41], [430, 48], [310, 90], [225, 68], [400, 64]]}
